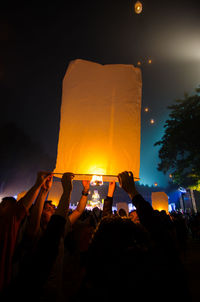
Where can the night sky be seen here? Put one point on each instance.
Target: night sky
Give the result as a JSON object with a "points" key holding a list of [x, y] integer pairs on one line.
{"points": [[38, 40]]}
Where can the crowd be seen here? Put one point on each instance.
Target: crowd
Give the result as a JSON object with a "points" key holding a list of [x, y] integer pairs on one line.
{"points": [[50, 253]]}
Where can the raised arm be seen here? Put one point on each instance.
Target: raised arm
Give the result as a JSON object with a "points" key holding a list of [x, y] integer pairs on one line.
{"points": [[28, 199], [82, 203], [143, 208], [35, 216], [108, 202], [67, 184]]}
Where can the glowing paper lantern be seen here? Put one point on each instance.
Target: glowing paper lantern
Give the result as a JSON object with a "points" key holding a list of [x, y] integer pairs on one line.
{"points": [[138, 7], [146, 109], [152, 121], [149, 61], [159, 201], [100, 120]]}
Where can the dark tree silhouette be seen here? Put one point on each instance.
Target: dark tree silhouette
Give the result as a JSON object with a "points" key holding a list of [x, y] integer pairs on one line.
{"points": [[180, 145]]}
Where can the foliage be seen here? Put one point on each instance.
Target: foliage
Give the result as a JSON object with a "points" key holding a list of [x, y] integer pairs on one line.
{"points": [[180, 144]]}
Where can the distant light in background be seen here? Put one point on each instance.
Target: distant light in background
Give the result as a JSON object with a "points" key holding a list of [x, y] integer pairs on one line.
{"points": [[179, 43], [182, 190], [170, 176], [146, 109], [138, 7], [149, 61], [152, 121], [139, 63], [155, 184]]}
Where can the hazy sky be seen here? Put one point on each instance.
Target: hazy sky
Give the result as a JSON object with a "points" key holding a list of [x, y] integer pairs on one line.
{"points": [[38, 40]]}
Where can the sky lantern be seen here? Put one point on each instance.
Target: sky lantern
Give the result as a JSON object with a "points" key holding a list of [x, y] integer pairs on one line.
{"points": [[138, 7], [160, 201], [149, 61], [139, 63], [100, 121], [146, 109], [152, 121]]}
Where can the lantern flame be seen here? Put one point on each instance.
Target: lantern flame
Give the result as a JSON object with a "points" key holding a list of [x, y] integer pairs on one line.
{"points": [[97, 180]]}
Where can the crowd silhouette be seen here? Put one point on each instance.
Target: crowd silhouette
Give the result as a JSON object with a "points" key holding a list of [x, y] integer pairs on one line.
{"points": [[50, 253]]}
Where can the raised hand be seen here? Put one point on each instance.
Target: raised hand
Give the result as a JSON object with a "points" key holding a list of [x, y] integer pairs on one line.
{"points": [[126, 181], [48, 183], [111, 188], [67, 181], [42, 177], [86, 185]]}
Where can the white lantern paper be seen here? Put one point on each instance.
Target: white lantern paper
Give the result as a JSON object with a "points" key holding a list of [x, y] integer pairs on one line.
{"points": [[100, 120]]}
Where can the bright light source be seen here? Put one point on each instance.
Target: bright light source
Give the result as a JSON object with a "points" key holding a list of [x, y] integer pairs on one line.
{"points": [[182, 190], [138, 63], [146, 109], [97, 180], [138, 7], [152, 121], [149, 61], [155, 184]]}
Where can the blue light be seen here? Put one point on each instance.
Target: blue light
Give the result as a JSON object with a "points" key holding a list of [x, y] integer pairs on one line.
{"points": [[182, 190]]}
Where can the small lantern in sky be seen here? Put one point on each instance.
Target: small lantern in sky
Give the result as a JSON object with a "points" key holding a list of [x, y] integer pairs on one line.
{"points": [[139, 63], [155, 184], [146, 109], [152, 121], [138, 7], [149, 61]]}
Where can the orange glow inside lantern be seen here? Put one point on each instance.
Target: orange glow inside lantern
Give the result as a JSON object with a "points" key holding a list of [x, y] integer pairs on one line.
{"points": [[138, 7], [97, 180]]}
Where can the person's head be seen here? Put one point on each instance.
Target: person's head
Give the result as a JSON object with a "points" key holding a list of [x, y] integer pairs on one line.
{"points": [[7, 202], [48, 211], [120, 247], [134, 216], [122, 212]]}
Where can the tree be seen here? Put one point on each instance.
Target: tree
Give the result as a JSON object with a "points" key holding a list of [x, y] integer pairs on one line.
{"points": [[180, 145]]}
